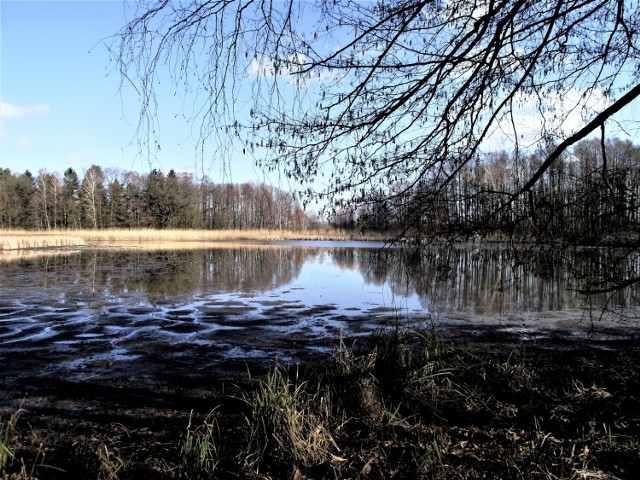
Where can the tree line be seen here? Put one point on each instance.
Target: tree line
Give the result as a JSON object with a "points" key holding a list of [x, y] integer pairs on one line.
{"points": [[113, 198], [589, 196]]}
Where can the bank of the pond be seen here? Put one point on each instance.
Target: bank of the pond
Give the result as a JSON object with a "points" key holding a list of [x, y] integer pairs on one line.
{"points": [[23, 239], [404, 404]]}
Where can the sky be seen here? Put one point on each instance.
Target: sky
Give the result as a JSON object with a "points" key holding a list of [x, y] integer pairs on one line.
{"points": [[61, 102]]}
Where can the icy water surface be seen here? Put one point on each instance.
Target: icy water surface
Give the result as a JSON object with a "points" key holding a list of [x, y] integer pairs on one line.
{"points": [[262, 301]]}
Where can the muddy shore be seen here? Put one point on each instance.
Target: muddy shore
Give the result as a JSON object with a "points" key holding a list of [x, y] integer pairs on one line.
{"points": [[136, 410], [117, 382]]}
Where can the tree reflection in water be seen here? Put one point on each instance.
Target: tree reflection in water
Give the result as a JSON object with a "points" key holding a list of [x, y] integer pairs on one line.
{"points": [[494, 279], [445, 279]]}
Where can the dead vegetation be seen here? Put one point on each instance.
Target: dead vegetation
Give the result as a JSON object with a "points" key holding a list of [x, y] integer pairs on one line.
{"points": [[12, 240], [24, 240], [401, 405]]}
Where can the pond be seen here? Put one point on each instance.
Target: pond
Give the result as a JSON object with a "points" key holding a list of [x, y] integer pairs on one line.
{"points": [[288, 300]]}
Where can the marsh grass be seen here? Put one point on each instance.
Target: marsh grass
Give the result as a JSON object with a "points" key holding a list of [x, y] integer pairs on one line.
{"points": [[174, 235], [11, 466], [111, 463], [200, 448], [352, 381], [290, 422], [7, 433], [406, 404], [24, 240], [11, 240]]}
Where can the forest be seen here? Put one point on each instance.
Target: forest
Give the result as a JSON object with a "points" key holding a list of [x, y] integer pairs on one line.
{"points": [[589, 196], [113, 198]]}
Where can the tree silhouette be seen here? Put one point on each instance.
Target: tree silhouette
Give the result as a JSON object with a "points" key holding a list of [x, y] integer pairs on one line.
{"points": [[70, 199], [391, 91], [394, 99]]}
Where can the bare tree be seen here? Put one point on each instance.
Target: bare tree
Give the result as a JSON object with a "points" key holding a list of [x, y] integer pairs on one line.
{"points": [[43, 197], [395, 97], [93, 194], [374, 93]]}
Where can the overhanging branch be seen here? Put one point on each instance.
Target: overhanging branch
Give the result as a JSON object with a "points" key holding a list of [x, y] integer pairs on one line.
{"points": [[598, 121]]}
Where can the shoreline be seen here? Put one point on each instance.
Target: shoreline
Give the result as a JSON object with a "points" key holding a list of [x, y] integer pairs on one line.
{"points": [[441, 409], [22, 240], [467, 398]]}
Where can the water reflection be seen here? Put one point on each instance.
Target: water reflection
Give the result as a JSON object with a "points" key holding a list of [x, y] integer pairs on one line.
{"points": [[437, 280], [495, 279], [159, 275]]}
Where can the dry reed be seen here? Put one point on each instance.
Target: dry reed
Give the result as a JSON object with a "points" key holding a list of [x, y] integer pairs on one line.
{"points": [[22, 239], [147, 238], [149, 235]]}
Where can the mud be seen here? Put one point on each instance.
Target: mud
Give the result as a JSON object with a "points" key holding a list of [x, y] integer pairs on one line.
{"points": [[83, 345], [86, 361], [130, 379]]}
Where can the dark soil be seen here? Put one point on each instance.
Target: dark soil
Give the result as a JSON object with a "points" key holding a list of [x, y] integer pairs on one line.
{"points": [[492, 409]]}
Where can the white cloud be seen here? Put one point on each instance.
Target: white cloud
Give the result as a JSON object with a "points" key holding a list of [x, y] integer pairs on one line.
{"points": [[9, 110], [290, 70], [268, 67]]}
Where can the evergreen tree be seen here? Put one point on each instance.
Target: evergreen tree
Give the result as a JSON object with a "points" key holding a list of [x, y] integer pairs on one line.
{"points": [[70, 199]]}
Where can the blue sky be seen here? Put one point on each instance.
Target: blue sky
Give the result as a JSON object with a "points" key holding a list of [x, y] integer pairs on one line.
{"points": [[61, 101]]}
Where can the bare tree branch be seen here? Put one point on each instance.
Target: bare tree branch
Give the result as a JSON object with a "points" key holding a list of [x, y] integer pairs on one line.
{"points": [[408, 105]]}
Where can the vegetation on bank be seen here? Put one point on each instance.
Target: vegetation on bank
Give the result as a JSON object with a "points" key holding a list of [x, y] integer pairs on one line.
{"points": [[590, 195], [403, 405], [23, 240], [113, 198], [171, 238], [576, 201]]}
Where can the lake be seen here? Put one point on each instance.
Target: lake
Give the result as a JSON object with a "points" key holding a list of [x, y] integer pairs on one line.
{"points": [[71, 312]]}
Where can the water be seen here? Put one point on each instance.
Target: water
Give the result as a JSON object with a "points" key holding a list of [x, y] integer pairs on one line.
{"points": [[257, 301]]}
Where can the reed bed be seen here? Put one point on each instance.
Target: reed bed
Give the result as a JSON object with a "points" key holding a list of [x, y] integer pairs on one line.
{"points": [[174, 235], [22, 240], [171, 238]]}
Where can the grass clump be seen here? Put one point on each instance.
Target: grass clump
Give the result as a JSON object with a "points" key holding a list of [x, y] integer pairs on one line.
{"points": [[7, 433], [289, 423], [199, 449], [310, 423], [13, 467]]}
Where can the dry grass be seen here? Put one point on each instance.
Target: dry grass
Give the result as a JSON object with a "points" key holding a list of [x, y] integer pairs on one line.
{"points": [[22, 239], [147, 238], [402, 404], [149, 235]]}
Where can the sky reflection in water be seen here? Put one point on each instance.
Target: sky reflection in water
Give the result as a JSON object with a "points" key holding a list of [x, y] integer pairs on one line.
{"points": [[446, 280], [261, 300]]}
